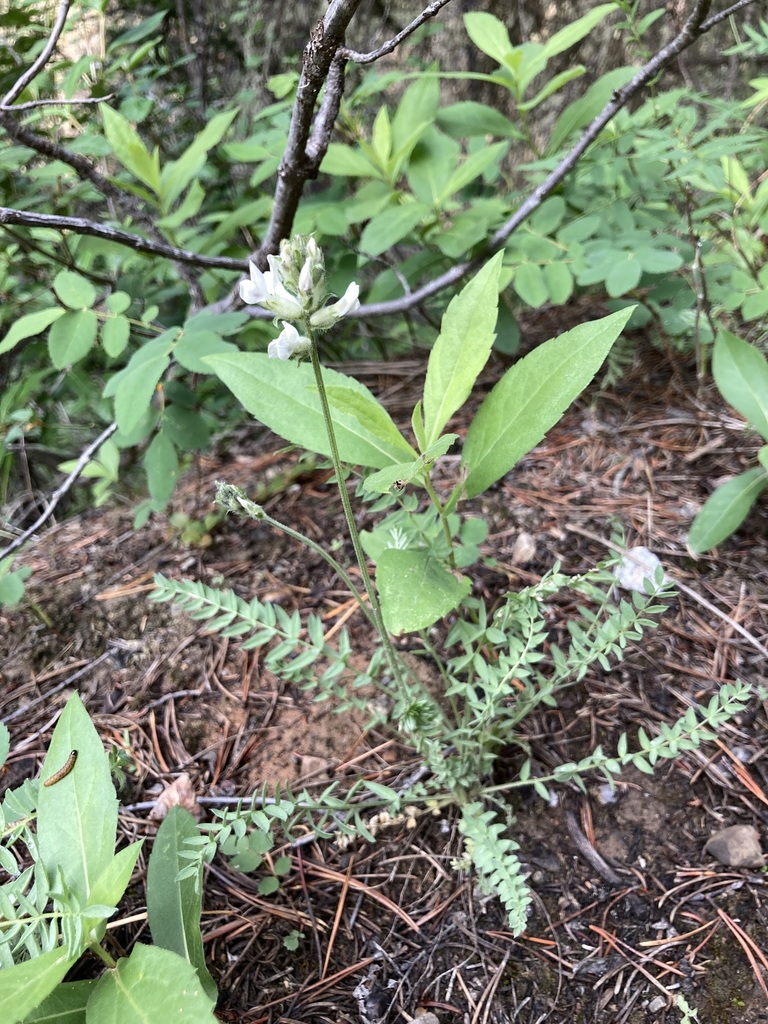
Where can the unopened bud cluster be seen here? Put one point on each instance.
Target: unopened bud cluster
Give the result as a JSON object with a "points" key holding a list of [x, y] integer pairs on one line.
{"points": [[294, 289]]}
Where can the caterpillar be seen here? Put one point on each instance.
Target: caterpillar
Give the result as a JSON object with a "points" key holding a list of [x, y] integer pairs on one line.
{"points": [[65, 769]]}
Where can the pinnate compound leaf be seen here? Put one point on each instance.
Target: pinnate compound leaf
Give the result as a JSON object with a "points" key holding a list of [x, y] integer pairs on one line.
{"points": [[151, 986], [532, 396], [174, 908], [462, 348], [416, 589], [741, 374], [725, 510]]}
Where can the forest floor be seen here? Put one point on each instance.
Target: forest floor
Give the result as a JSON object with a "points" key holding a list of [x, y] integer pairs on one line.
{"points": [[629, 909]]}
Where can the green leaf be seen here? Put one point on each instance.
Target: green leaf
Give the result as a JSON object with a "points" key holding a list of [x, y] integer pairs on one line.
{"points": [[346, 162], [115, 333], [129, 149], [369, 413], [559, 282], [174, 909], [532, 396], [461, 351], [25, 985], [416, 589], [185, 427], [391, 226], [475, 165], [415, 113], [193, 346], [576, 30], [282, 395], [725, 510], [179, 173], [624, 274], [134, 386], [65, 1005], [73, 290], [467, 119], [72, 336], [151, 986], [530, 285], [29, 326], [579, 113], [552, 86], [741, 374], [77, 817], [386, 479], [488, 34], [162, 466]]}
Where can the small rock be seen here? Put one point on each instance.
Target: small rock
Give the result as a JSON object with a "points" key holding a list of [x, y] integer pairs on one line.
{"points": [[524, 549], [737, 846], [638, 566]]}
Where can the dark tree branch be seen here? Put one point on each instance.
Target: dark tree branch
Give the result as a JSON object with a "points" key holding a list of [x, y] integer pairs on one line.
{"points": [[136, 242]]}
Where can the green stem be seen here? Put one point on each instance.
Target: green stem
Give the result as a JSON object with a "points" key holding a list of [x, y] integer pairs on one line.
{"points": [[102, 954], [443, 517], [395, 664]]}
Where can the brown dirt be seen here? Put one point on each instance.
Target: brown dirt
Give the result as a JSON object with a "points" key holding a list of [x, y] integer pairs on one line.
{"points": [[177, 699]]}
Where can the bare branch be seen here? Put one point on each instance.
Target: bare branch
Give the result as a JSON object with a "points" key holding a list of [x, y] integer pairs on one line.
{"points": [[21, 83], [61, 490], [92, 100], [87, 227], [693, 29], [392, 44]]}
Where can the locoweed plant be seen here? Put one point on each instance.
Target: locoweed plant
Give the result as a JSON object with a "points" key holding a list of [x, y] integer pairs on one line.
{"points": [[498, 664]]}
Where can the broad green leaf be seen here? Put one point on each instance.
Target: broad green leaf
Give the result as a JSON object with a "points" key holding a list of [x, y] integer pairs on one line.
{"points": [[185, 427], [559, 282], [162, 467], [115, 333], [462, 348], [24, 986], [369, 413], [188, 207], [475, 165], [65, 1005], [464, 120], [416, 590], [432, 162], [403, 472], [532, 396], [725, 510], [72, 336], [129, 149], [346, 162], [579, 113], [179, 173], [381, 137], [77, 817], [29, 326], [552, 86], [530, 285], [741, 374], [134, 386], [151, 986], [391, 226], [282, 395], [74, 290], [624, 274], [415, 113], [488, 34], [193, 346], [762, 456], [174, 908], [118, 302], [576, 30]]}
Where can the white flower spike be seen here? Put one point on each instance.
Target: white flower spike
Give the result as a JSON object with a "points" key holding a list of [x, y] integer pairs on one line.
{"points": [[329, 315], [288, 343]]}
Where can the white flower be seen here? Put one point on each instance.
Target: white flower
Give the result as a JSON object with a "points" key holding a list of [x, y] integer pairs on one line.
{"points": [[268, 291], [288, 343], [329, 315], [305, 278]]}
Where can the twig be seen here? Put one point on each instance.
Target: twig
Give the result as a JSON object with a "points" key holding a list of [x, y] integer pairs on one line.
{"points": [[88, 227], [23, 81], [60, 491], [392, 44]]}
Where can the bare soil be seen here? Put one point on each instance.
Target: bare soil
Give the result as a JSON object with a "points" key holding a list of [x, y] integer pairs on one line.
{"points": [[629, 910]]}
